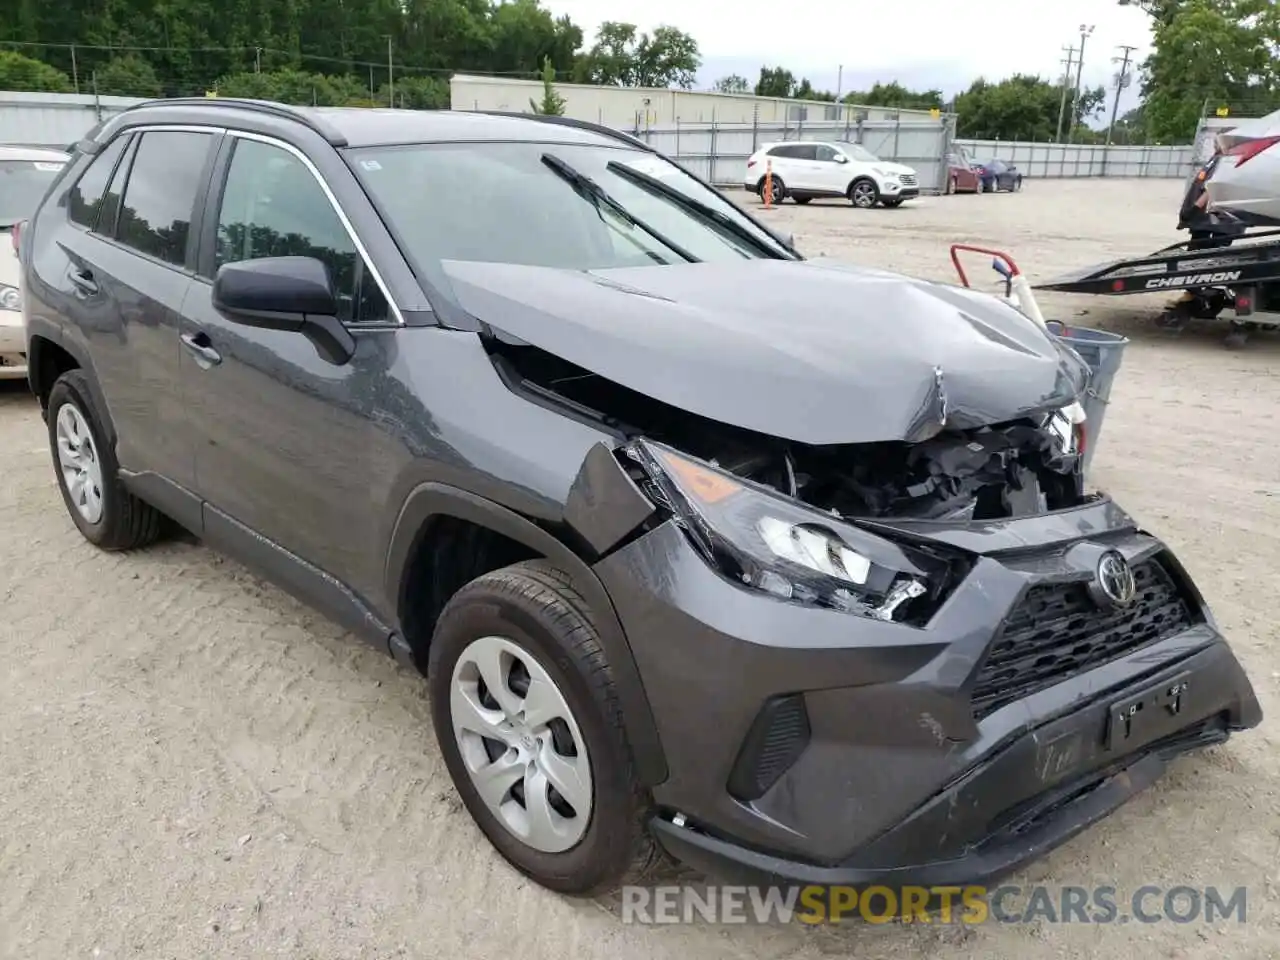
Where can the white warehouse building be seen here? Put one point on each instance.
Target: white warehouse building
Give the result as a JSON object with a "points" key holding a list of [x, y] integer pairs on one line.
{"points": [[639, 108]]}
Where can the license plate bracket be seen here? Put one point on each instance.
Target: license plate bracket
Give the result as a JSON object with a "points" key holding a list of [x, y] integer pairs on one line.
{"points": [[1127, 719]]}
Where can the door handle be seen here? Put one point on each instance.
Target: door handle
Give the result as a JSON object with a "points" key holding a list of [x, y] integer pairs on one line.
{"points": [[82, 280], [201, 349]]}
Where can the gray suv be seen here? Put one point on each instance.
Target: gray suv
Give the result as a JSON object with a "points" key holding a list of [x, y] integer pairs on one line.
{"points": [[784, 567]]}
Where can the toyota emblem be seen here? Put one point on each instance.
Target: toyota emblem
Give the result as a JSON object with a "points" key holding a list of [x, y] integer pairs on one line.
{"points": [[1114, 583]]}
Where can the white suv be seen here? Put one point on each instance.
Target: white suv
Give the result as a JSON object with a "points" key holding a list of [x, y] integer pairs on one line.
{"points": [[25, 175], [806, 169]]}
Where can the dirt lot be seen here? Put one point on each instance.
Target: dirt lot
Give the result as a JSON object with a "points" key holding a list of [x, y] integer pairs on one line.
{"points": [[192, 764]]}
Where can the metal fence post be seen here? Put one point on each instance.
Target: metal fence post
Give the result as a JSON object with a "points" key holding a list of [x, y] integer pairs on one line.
{"points": [[755, 128], [711, 163], [897, 128]]}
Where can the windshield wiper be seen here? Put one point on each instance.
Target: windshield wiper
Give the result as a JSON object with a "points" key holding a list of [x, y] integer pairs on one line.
{"points": [[706, 213], [598, 197]]}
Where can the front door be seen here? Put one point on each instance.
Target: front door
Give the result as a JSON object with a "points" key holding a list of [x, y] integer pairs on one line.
{"points": [[832, 175], [281, 444], [131, 256]]}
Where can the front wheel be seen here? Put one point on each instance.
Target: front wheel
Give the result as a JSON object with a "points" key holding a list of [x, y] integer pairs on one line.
{"points": [[527, 716], [952, 186], [1017, 185], [979, 187], [864, 194]]}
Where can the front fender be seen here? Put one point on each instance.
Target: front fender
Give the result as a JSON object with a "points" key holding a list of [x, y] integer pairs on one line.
{"points": [[428, 500]]}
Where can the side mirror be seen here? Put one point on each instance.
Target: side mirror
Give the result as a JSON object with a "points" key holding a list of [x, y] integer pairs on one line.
{"points": [[841, 158], [293, 294]]}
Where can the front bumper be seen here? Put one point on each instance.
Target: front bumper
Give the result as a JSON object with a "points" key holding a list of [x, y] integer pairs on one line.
{"points": [[885, 770], [13, 337]]}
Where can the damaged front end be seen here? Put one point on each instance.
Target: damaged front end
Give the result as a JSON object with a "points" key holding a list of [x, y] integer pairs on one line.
{"points": [[793, 519]]}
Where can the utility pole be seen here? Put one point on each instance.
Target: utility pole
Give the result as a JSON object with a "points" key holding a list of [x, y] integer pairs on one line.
{"points": [[1075, 102], [1122, 81], [1066, 83], [391, 85]]}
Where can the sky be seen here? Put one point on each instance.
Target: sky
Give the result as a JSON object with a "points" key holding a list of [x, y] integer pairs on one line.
{"points": [[923, 44]]}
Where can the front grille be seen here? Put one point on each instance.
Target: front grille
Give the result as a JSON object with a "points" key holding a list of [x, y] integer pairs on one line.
{"points": [[908, 179], [1058, 632]]}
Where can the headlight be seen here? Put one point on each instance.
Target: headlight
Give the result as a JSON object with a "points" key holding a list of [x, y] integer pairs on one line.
{"points": [[887, 174], [10, 298], [778, 545]]}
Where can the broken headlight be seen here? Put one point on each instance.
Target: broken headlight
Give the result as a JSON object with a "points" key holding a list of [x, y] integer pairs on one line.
{"points": [[783, 547]]}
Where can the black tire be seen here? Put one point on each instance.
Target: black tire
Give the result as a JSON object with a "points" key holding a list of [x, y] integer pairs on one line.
{"points": [[1017, 184], [952, 186], [802, 200], [863, 193], [534, 605], [126, 523]]}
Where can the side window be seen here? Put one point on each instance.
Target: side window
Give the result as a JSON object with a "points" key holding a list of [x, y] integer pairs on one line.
{"points": [[85, 198], [155, 211], [786, 152], [272, 206], [826, 154], [807, 151], [111, 200]]}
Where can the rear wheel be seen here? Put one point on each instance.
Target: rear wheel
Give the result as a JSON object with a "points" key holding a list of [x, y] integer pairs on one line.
{"points": [[106, 514], [527, 717], [863, 193], [979, 186], [952, 186], [1017, 184], [778, 188]]}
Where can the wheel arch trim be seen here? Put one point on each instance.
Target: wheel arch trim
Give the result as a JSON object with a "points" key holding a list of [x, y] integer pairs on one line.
{"points": [[431, 499]]}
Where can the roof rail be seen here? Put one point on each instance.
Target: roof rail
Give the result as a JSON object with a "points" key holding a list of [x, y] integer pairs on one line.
{"points": [[269, 107], [570, 122]]}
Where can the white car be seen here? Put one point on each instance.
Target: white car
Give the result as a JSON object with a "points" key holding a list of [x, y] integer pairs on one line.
{"points": [[25, 175], [1246, 181], [804, 169]]}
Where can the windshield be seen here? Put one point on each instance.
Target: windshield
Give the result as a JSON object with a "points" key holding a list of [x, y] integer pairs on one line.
{"points": [[570, 206], [856, 151], [22, 185]]}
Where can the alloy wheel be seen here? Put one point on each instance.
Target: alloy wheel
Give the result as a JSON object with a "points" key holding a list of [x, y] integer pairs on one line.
{"points": [[521, 744], [79, 463], [864, 195]]}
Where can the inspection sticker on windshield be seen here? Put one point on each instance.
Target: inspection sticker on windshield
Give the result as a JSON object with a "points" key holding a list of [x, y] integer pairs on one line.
{"points": [[45, 167], [370, 165]]}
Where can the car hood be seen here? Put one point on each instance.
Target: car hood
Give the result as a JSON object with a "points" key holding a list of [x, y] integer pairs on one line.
{"points": [[814, 351], [896, 168]]}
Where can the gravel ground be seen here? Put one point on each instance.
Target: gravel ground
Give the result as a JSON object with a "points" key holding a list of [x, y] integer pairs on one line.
{"points": [[196, 765]]}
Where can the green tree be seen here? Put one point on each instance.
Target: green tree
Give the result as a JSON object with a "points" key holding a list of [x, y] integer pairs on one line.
{"points": [[733, 84], [1212, 52], [805, 91], [127, 76], [623, 57], [775, 82], [1020, 108], [895, 95], [23, 73], [552, 104]]}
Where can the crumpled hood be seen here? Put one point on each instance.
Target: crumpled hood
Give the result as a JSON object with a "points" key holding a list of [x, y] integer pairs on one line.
{"points": [[816, 352]]}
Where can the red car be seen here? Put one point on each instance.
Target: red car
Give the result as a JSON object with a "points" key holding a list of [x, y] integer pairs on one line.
{"points": [[961, 175]]}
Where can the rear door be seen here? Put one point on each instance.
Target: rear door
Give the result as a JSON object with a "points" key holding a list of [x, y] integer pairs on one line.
{"points": [[127, 257]]}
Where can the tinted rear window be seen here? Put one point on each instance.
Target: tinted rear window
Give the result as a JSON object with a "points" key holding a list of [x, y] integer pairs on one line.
{"points": [[22, 186]]}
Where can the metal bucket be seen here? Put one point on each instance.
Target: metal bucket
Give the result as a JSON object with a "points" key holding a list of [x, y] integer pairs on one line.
{"points": [[1103, 352]]}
